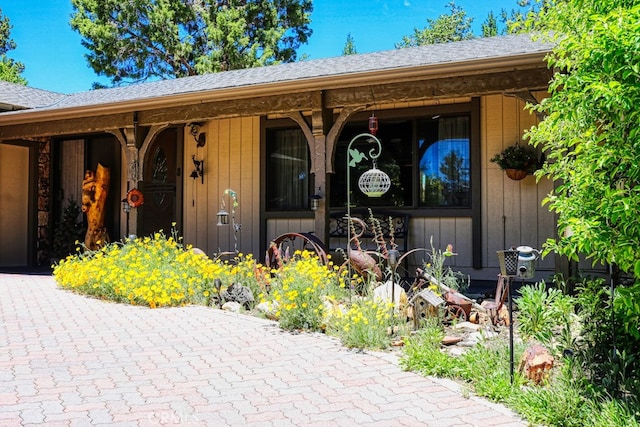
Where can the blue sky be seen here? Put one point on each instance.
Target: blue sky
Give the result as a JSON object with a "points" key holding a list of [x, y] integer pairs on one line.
{"points": [[53, 56]]}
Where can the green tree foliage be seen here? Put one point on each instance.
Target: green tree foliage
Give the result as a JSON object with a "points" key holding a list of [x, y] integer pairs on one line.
{"points": [[10, 70], [451, 27], [525, 16], [134, 40], [349, 46], [490, 26], [592, 129], [591, 134]]}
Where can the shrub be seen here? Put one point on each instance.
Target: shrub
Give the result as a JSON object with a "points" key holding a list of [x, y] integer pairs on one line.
{"points": [[300, 288], [608, 348], [485, 367], [542, 312], [68, 231], [572, 401], [154, 271]]}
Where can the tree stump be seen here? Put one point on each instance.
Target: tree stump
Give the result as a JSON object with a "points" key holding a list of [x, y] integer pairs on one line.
{"points": [[95, 188], [536, 363]]}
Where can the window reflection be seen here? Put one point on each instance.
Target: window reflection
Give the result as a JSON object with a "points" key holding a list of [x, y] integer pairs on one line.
{"points": [[444, 162]]}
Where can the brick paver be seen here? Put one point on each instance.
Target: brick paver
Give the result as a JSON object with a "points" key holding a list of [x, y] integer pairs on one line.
{"points": [[68, 360]]}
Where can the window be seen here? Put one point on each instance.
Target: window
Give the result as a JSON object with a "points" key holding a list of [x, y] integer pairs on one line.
{"points": [[427, 157], [444, 160], [288, 166]]}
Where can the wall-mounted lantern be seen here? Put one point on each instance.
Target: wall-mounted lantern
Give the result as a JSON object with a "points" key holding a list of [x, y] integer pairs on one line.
{"points": [[126, 207], [314, 201]]}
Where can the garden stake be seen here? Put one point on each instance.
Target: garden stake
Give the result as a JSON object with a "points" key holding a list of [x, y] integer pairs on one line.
{"points": [[510, 305], [218, 284]]}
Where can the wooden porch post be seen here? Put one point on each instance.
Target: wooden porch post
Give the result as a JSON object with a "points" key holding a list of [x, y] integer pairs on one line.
{"points": [[320, 122], [127, 138], [133, 175]]}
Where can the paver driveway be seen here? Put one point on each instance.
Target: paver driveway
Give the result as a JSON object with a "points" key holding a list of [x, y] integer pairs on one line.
{"points": [[69, 360]]}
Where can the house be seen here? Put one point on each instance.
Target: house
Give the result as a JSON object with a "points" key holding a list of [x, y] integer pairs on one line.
{"points": [[278, 135]]}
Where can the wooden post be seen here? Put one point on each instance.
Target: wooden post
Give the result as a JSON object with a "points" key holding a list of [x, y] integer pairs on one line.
{"points": [[95, 188]]}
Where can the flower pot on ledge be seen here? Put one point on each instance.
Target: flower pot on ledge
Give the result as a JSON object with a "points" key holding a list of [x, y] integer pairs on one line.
{"points": [[516, 174]]}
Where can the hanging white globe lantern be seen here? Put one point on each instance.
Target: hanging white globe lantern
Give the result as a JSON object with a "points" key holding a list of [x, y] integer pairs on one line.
{"points": [[374, 182]]}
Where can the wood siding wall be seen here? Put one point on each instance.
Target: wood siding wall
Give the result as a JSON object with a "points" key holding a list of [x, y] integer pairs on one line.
{"points": [[71, 170], [231, 161], [512, 213]]}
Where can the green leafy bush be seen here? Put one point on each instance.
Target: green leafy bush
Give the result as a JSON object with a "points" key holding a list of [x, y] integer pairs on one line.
{"points": [[609, 347], [544, 313], [572, 401], [422, 352]]}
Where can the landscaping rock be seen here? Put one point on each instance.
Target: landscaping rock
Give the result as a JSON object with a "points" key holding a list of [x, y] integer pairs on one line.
{"points": [[240, 294], [468, 326], [199, 251], [450, 340], [232, 306], [456, 351], [269, 309], [471, 340], [383, 293]]}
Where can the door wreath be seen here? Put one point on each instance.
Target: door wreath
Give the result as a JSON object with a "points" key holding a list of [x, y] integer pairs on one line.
{"points": [[135, 197]]}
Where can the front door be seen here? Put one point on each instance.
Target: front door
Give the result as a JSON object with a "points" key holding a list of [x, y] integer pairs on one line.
{"points": [[161, 185], [16, 206]]}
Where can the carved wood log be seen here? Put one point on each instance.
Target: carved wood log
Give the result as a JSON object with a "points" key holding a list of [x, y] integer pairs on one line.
{"points": [[95, 188]]}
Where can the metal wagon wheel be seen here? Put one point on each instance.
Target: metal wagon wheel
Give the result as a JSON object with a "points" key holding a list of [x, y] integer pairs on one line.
{"points": [[284, 246], [454, 312]]}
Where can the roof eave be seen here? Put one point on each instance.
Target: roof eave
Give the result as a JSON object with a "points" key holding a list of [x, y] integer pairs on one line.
{"points": [[523, 61]]}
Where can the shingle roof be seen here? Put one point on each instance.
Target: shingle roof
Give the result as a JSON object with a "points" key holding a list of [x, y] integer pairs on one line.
{"points": [[15, 96], [437, 54]]}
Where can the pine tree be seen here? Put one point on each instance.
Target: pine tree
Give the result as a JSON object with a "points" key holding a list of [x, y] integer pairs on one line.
{"points": [[150, 39]]}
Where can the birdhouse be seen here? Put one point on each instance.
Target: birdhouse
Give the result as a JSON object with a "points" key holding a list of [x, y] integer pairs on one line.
{"points": [[425, 304]]}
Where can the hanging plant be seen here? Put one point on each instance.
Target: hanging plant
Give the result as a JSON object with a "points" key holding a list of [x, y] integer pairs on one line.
{"points": [[518, 161]]}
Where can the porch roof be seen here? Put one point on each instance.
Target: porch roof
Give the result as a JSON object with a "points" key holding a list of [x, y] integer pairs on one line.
{"points": [[477, 56]]}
